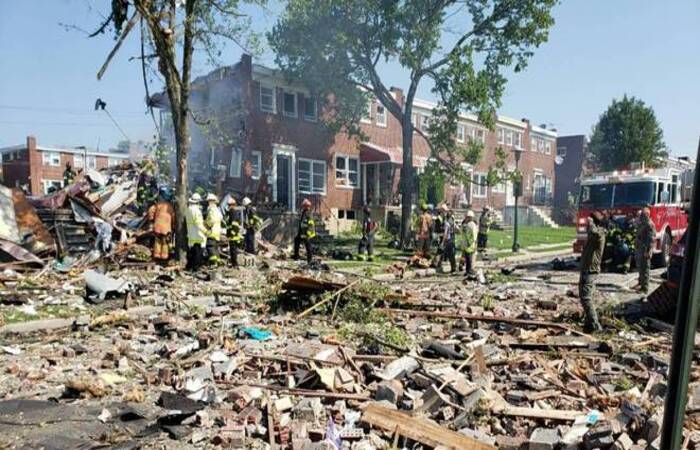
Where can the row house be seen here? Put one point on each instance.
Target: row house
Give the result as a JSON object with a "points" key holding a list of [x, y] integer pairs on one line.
{"points": [[38, 169], [256, 134]]}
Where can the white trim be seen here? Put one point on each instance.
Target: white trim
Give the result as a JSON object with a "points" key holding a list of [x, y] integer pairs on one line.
{"points": [[347, 159], [385, 119], [235, 173], [274, 98], [311, 175], [295, 96], [44, 184], [478, 187], [463, 127], [47, 159], [368, 118], [307, 117], [256, 156], [285, 150]]}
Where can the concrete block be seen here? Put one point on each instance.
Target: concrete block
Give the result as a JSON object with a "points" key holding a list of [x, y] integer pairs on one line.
{"points": [[544, 439], [391, 391]]}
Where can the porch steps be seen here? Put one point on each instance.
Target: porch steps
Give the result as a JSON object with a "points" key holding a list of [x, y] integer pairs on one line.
{"points": [[544, 216]]}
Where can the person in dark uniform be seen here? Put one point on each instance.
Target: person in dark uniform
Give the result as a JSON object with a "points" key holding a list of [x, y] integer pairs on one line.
{"points": [[68, 175], [485, 221], [251, 223], [438, 235], [448, 240], [591, 259], [306, 231], [365, 248], [644, 248], [233, 231]]}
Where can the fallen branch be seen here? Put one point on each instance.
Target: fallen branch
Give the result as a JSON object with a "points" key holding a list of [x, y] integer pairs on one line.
{"points": [[327, 299]]}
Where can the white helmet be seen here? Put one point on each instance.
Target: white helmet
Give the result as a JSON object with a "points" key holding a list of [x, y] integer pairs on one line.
{"points": [[470, 214], [246, 201], [196, 198], [212, 198]]}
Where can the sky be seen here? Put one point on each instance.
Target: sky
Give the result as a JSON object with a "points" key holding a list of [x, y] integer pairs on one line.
{"points": [[598, 50]]}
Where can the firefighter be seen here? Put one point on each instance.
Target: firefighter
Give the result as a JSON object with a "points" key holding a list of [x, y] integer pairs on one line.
{"points": [[213, 224], [233, 231], [306, 231], [644, 248], [146, 191], [366, 244], [68, 175], [438, 233], [470, 231], [423, 229], [196, 233], [251, 223], [162, 216], [448, 240], [591, 259], [485, 221]]}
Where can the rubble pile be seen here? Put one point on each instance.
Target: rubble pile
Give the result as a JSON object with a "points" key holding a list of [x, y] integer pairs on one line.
{"points": [[279, 356]]}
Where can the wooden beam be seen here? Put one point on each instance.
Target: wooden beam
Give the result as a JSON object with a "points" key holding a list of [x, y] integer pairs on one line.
{"points": [[419, 430], [550, 414]]}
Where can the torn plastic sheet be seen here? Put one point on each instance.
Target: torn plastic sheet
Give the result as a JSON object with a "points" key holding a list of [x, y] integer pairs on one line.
{"points": [[100, 285], [81, 213], [18, 253], [8, 220]]}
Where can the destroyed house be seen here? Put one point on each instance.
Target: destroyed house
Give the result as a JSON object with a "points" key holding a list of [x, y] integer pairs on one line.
{"points": [[38, 169], [255, 134]]}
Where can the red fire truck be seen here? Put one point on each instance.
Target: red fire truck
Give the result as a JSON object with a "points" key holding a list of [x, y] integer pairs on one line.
{"points": [[623, 193]]}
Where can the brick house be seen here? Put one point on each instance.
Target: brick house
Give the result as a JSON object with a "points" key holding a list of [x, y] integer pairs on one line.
{"points": [[37, 169], [571, 151], [277, 150]]}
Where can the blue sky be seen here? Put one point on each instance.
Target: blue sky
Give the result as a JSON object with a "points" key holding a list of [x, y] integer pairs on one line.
{"points": [[598, 50]]}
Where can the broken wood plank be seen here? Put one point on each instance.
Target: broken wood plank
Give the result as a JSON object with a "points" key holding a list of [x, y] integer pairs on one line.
{"points": [[532, 413], [300, 392], [419, 430]]}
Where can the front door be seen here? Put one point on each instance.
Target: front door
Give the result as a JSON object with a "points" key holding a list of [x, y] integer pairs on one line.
{"points": [[284, 167]]}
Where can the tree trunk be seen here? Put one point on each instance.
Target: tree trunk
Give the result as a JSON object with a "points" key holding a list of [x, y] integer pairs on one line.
{"points": [[406, 180], [182, 146]]}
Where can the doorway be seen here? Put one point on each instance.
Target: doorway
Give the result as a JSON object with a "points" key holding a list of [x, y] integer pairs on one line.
{"points": [[283, 180]]}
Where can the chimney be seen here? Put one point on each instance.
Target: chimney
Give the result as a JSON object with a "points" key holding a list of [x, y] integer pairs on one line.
{"points": [[398, 94], [246, 65]]}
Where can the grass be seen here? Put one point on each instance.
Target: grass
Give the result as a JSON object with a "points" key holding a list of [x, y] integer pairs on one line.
{"points": [[531, 237]]}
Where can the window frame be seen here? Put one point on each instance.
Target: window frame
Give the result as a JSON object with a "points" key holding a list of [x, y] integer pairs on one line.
{"points": [[113, 162], [476, 187], [367, 115], [480, 135], [273, 96], [231, 172], [548, 147], [45, 185], [561, 151], [501, 135], [47, 159], [463, 127], [383, 115], [347, 171], [307, 117], [517, 143], [294, 95], [312, 188], [255, 156], [78, 161], [91, 162], [425, 124]]}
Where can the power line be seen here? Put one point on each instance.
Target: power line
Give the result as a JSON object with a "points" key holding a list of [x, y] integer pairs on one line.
{"points": [[73, 111], [61, 124]]}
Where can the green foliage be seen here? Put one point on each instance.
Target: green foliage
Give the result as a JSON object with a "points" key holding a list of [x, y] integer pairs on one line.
{"points": [[626, 132], [335, 47], [431, 184]]}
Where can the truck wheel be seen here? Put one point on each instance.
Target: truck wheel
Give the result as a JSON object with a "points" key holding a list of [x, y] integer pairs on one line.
{"points": [[663, 258]]}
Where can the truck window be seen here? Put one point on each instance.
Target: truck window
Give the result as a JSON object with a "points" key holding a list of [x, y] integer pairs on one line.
{"points": [[596, 196], [659, 192], [674, 188], [639, 193]]}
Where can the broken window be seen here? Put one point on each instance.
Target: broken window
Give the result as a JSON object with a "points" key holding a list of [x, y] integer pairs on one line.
{"points": [[310, 109], [347, 169], [235, 167], [312, 176], [267, 99], [52, 186], [290, 104], [381, 115]]}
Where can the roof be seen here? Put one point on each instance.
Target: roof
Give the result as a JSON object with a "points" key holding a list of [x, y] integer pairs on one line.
{"points": [[78, 151], [370, 152]]}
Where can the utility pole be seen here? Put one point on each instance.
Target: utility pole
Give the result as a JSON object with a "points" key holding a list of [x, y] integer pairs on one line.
{"points": [[688, 303]]}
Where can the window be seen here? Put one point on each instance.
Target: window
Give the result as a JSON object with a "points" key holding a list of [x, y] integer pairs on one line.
{"points": [[540, 145], [425, 123], [91, 161], [51, 158], [312, 176], [500, 133], [381, 115], [548, 147], [234, 170], [78, 161], [517, 139], [533, 144], [561, 151], [499, 188], [479, 185], [290, 104], [416, 120], [51, 185], [508, 137], [367, 116], [268, 101], [674, 188], [255, 164], [461, 132], [113, 162], [480, 135], [310, 112], [347, 170]]}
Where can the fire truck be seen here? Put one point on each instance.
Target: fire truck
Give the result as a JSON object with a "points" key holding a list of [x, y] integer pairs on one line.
{"points": [[621, 194]]}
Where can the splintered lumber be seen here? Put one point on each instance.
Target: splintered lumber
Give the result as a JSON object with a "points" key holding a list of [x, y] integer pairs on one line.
{"points": [[302, 392], [480, 318], [532, 413], [419, 430]]}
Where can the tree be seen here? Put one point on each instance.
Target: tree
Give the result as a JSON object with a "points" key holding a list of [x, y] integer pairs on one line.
{"points": [[626, 132], [462, 46], [172, 29]]}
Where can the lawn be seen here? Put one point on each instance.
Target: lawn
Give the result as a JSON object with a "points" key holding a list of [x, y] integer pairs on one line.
{"points": [[532, 237]]}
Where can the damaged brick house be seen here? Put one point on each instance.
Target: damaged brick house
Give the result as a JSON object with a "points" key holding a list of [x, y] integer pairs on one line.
{"points": [[255, 134]]}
